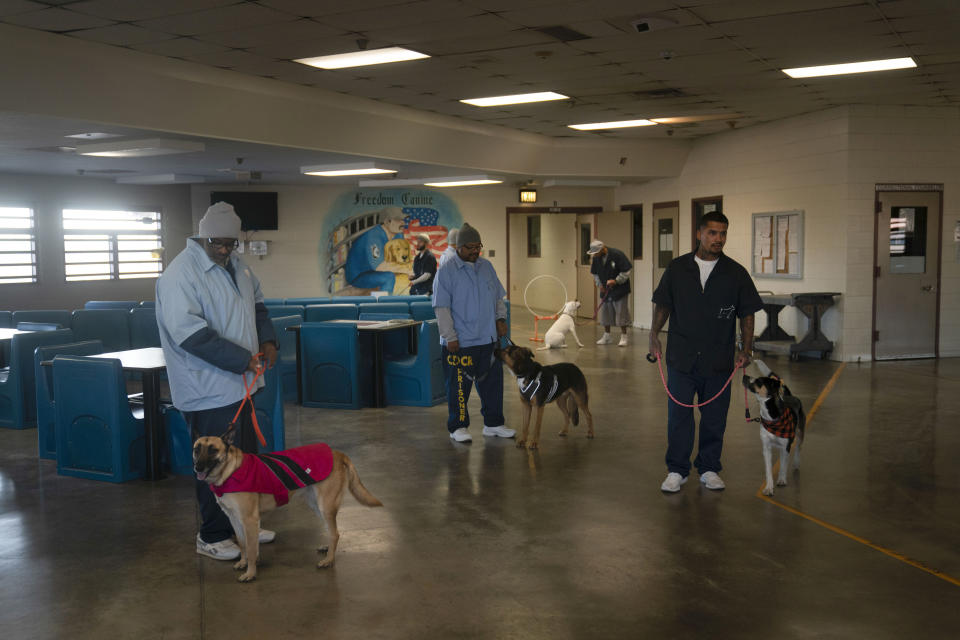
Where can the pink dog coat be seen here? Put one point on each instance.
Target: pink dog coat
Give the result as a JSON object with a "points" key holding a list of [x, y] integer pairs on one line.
{"points": [[279, 472]]}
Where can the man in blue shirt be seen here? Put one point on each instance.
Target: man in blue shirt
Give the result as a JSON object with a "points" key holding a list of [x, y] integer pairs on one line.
{"points": [[471, 316], [212, 322], [365, 267]]}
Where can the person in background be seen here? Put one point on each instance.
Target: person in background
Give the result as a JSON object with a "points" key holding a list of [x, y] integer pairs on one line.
{"points": [[213, 327], [424, 267], [702, 294], [471, 316], [611, 273], [451, 249]]}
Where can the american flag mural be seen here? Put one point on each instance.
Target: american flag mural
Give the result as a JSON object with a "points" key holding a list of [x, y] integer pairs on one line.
{"points": [[424, 220]]}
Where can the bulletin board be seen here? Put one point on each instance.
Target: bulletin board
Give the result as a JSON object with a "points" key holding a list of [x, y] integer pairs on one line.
{"points": [[778, 244]]}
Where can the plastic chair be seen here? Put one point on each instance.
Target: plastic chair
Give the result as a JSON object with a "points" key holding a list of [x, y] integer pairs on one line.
{"points": [[59, 317], [109, 326], [322, 312], [304, 301], [148, 304], [110, 304], [98, 436], [417, 381], [352, 299], [18, 387], [277, 310], [38, 326], [273, 301], [422, 311], [287, 362], [385, 307], [6, 319], [409, 299], [46, 409], [268, 403], [330, 365], [143, 328]]}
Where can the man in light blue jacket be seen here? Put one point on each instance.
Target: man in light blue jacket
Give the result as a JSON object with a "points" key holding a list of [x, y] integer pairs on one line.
{"points": [[212, 323]]}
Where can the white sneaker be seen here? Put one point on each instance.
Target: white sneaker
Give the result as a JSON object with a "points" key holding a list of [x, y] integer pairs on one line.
{"points": [[605, 339], [461, 435], [223, 550], [266, 536], [712, 481], [500, 432], [623, 340], [673, 482]]}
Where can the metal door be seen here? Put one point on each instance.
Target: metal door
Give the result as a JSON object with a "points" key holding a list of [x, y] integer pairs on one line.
{"points": [[666, 223], [905, 272], [586, 290]]}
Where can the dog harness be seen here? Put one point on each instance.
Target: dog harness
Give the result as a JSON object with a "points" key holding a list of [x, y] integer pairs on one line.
{"points": [[529, 389], [783, 427], [280, 472]]}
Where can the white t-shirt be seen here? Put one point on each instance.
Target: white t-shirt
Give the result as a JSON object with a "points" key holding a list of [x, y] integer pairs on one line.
{"points": [[706, 266]]}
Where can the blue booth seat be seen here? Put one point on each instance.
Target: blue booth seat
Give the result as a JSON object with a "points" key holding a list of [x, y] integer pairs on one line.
{"points": [[6, 319], [288, 354], [143, 328], [46, 409], [18, 387], [417, 381], [409, 299], [422, 311], [385, 307], [148, 304], [59, 317], [109, 326], [352, 299], [321, 312], [330, 365], [38, 326], [273, 301], [303, 302], [277, 310], [110, 304], [178, 456], [99, 436]]}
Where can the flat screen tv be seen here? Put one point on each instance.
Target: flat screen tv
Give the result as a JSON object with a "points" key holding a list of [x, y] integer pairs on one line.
{"points": [[257, 209]]}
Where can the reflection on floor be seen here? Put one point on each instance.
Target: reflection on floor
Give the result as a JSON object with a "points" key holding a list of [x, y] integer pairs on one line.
{"points": [[486, 541]]}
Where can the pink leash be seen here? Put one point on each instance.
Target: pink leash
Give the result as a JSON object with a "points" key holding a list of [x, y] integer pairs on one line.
{"points": [[663, 379]]}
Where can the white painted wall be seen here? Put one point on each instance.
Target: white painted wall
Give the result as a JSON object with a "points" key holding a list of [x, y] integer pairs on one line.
{"points": [[557, 258], [48, 196]]}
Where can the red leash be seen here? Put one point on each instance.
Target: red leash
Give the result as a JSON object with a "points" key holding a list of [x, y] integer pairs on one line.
{"points": [[246, 397], [663, 378]]}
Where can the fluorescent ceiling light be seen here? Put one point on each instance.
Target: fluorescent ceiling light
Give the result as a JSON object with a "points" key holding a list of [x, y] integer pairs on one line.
{"points": [[161, 178], [362, 58], [620, 124], [94, 136], [139, 148], [701, 118], [520, 98], [345, 169], [460, 181], [851, 67]]}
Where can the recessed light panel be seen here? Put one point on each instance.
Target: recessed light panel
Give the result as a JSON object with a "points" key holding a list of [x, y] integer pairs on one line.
{"points": [[139, 148], [363, 58], [619, 124], [851, 67], [461, 181], [520, 98]]}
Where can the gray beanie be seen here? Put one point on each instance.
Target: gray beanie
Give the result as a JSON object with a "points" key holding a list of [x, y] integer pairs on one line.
{"points": [[452, 237], [220, 221], [467, 235]]}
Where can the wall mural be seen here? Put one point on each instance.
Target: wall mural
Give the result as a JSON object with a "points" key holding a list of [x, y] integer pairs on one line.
{"points": [[367, 238]]}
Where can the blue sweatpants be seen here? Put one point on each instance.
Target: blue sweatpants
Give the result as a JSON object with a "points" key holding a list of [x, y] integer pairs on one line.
{"points": [[680, 423], [462, 369]]}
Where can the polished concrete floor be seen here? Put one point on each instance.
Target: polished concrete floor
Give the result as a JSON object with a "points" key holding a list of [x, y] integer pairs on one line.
{"points": [[487, 541]]}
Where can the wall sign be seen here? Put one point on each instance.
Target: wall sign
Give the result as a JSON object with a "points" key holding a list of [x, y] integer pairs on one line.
{"points": [[778, 244]]}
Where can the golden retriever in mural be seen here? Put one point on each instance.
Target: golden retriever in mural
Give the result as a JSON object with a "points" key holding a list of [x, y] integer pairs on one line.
{"points": [[397, 257]]}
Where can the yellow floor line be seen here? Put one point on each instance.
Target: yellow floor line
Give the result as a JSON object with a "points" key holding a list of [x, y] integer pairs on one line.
{"points": [[843, 532]]}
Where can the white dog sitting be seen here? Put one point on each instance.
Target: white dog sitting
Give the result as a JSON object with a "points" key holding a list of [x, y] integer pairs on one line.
{"points": [[555, 337]]}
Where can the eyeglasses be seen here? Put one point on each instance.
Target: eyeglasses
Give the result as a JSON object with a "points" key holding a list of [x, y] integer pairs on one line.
{"points": [[473, 247], [223, 244]]}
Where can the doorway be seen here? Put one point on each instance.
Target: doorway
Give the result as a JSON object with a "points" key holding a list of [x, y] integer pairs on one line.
{"points": [[586, 291], [906, 296], [666, 224]]}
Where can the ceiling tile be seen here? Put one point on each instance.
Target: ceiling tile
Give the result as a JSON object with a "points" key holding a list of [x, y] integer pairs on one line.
{"points": [[303, 30], [315, 8], [131, 10], [13, 7], [236, 16], [121, 35], [394, 16], [179, 47], [58, 20], [745, 9]]}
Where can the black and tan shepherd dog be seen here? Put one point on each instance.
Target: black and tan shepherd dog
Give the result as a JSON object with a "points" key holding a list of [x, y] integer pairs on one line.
{"points": [[540, 385]]}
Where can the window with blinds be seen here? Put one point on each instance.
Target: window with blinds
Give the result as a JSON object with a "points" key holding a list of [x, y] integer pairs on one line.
{"points": [[111, 245], [18, 245]]}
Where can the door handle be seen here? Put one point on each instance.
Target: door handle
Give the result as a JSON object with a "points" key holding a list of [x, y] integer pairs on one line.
{"points": [[927, 288]]}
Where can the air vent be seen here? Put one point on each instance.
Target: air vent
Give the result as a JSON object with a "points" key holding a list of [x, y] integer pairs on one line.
{"points": [[563, 34], [662, 93]]}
